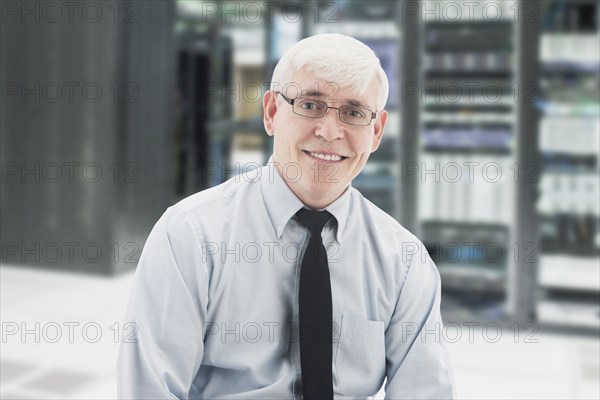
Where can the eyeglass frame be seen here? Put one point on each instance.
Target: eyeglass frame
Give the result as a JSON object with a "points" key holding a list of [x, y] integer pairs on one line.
{"points": [[291, 103]]}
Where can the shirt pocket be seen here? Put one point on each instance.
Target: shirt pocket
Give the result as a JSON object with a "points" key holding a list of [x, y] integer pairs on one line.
{"points": [[360, 357]]}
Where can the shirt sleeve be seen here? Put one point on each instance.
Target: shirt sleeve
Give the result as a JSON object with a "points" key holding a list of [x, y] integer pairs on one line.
{"points": [[167, 307], [417, 362]]}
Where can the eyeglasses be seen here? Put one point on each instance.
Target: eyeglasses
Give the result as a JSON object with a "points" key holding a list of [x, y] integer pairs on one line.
{"points": [[352, 115]]}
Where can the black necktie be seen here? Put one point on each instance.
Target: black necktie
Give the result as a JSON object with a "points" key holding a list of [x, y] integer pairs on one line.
{"points": [[315, 311]]}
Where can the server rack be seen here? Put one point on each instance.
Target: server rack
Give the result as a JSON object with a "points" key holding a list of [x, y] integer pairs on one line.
{"points": [[467, 156], [203, 75], [568, 207], [99, 161]]}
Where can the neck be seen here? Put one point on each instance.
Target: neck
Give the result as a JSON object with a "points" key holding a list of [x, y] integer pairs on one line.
{"points": [[315, 201]]}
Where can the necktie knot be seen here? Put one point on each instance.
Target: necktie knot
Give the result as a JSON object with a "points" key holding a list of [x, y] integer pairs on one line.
{"points": [[313, 220]]}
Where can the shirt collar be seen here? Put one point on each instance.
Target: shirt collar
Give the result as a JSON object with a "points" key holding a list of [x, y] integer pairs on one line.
{"points": [[339, 209], [282, 204]]}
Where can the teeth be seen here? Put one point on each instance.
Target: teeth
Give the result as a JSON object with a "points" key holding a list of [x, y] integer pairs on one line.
{"points": [[326, 157]]}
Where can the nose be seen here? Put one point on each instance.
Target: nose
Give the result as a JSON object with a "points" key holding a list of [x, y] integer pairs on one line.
{"points": [[329, 127]]}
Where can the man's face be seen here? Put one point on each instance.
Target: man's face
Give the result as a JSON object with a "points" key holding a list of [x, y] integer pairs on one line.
{"points": [[319, 157]]}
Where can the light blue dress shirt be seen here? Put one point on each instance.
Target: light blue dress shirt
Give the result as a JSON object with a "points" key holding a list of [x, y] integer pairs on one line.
{"points": [[215, 300]]}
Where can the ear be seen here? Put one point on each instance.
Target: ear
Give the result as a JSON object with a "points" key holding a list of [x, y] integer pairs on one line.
{"points": [[269, 111], [378, 129]]}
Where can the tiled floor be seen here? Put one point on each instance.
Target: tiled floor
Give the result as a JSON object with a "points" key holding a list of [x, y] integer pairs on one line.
{"points": [[59, 342], [74, 353]]}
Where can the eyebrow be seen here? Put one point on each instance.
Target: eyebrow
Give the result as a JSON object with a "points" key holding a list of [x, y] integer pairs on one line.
{"points": [[317, 94]]}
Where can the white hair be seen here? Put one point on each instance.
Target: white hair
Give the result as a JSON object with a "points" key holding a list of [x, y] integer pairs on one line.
{"points": [[336, 58]]}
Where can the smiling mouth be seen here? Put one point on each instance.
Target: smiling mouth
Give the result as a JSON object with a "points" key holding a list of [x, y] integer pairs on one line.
{"points": [[324, 156]]}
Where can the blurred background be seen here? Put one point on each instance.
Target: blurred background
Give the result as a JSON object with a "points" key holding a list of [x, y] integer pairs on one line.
{"points": [[114, 110]]}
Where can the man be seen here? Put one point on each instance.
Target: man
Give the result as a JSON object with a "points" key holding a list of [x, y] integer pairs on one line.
{"points": [[287, 283]]}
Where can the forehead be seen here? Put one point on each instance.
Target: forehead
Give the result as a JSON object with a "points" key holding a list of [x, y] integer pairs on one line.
{"points": [[304, 84]]}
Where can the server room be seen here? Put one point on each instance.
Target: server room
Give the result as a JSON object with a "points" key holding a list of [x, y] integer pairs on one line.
{"points": [[114, 111]]}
